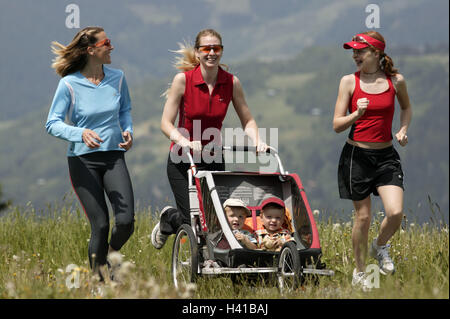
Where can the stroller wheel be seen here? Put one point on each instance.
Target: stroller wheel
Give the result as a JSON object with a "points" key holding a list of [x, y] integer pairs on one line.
{"points": [[185, 267], [289, 268]]}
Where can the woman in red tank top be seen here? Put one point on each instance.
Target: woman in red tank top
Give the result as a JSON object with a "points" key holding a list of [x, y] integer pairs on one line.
{"points": [[369, 163], [199, 96]]}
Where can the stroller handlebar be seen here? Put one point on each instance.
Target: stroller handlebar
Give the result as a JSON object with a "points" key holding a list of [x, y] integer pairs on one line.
{"points": [[246, 148]]}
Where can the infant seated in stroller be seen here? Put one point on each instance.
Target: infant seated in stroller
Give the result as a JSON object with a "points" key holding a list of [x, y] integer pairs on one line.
{"points": [[272, 235], [237, 212]]}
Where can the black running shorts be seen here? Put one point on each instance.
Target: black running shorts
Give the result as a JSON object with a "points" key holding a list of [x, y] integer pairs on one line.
{"points": [[362, 170]]}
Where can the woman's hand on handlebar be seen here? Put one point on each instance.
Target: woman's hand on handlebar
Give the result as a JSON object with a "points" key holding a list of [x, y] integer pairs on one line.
{"points": [[195, 146], [261, 147]]}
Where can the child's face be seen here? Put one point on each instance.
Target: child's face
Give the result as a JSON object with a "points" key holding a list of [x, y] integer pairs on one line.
{"points": [[272, 218], [236, 217]]}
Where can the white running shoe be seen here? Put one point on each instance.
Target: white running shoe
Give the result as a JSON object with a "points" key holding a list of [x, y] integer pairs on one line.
{"points": [[381, 254], [159, 239], [360, 280]]}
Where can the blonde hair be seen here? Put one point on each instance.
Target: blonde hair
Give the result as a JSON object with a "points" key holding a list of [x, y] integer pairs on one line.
{"points": [[73, 57], [187, 60]]}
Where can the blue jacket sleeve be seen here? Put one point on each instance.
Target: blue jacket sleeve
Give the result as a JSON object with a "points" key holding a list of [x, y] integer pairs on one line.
{"points": [[55, 125], [125, 120]]}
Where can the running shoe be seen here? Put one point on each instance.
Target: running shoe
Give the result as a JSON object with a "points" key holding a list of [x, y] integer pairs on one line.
{"points": [[381, 254], [159, 239], [359, 280]]}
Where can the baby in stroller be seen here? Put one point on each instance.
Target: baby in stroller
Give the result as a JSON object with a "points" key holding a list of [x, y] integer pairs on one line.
{"points": [[272, 236], [236, 212]]}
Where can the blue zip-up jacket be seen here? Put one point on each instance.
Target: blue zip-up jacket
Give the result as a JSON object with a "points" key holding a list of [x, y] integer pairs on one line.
{"points": [[103, 108]]}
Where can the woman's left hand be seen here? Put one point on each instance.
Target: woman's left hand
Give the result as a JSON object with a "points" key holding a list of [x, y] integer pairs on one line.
{"points": [[128, 141], [402, 138]]}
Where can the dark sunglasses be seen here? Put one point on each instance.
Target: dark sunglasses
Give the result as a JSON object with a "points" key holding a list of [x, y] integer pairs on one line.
{"points": [[217, 48]]}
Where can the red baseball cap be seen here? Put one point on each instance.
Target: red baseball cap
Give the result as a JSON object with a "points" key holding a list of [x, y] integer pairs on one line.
{"points": [[272, 200], [361, 41]]}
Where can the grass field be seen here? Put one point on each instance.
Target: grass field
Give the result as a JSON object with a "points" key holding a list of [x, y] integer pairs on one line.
{"points": [[40, 257]]}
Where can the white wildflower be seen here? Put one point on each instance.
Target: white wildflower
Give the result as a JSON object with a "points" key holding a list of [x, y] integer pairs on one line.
{"points": [[316, 212]]}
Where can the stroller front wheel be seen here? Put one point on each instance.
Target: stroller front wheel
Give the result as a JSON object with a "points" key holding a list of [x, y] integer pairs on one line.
{"points": [[185, 267], [289, 268]]}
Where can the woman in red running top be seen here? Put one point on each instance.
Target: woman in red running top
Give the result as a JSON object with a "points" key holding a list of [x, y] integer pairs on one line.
{"points": [[199, 96], [369, 163]]}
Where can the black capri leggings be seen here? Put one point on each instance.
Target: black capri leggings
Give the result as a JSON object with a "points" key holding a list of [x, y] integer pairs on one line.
{"points": [[178, 180], [92, 175]]}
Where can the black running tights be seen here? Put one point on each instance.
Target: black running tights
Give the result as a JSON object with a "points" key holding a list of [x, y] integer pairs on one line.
{"points": [[92, 175]]}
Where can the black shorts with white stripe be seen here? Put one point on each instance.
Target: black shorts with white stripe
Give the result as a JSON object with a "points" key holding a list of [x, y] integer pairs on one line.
{"points": [[362, 170]]}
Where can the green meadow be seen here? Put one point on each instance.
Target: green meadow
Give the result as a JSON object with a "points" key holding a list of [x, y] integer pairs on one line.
{"points": [[46, 257]]}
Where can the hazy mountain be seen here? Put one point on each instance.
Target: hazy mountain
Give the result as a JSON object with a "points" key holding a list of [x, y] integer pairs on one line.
{"points": [[144, 31]]}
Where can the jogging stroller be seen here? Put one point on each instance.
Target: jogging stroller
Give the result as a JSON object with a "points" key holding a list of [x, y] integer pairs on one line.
{"points": [[197, 243]]}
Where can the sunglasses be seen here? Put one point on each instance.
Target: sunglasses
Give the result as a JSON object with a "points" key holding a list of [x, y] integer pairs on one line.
{"points": [[360, 39], [106, 42], [217, 48]]}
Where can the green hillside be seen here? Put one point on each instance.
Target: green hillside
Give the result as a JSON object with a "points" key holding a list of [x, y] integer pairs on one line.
{"points": [[143, 31], [296, 96]]}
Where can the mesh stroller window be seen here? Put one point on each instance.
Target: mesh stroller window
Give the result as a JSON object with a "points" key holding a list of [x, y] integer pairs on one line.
{"points": [[210, 215], [301, 219]]}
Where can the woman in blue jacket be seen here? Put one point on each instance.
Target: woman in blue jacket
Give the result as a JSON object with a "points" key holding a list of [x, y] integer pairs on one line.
{"points": [[95, 100]]}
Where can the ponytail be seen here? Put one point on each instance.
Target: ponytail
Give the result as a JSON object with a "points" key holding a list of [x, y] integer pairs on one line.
{"points": [[387, 65], [187, 61]]}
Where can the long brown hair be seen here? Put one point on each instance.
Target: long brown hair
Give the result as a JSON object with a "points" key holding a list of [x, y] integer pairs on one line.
{"points": [[73, 57], [386, 63]]}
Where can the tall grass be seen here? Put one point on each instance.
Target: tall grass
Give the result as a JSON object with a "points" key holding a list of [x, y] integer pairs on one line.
{"points": [[35, 253]]}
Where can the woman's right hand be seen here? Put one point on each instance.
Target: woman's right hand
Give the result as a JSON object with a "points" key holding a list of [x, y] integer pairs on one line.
{"points": [[362, 105], [195, 146], [90, 138]]}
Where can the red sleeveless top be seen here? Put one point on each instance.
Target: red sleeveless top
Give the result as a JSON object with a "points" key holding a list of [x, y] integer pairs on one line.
{"points": [[200, 110], [376, 123]]}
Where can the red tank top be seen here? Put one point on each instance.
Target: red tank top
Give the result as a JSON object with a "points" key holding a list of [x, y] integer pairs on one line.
{"points": [[200, 110], [376, 123]]}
